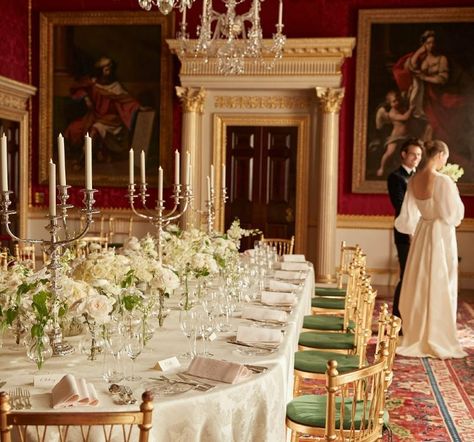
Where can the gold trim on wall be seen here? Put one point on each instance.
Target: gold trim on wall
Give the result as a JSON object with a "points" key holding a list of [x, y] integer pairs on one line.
{"points": [[220, 124], [385, 222], [14, 98]]}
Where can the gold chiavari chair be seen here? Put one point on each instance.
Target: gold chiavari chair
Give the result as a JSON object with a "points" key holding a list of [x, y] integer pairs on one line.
{"points": [[120, 229], [312, 364], [95, 239], [29, 426], [353, 408], [26, 254], [283, 246], [4, 258]]}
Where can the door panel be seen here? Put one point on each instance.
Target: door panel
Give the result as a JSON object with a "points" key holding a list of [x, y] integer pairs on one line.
{"points": [[262, 178]]}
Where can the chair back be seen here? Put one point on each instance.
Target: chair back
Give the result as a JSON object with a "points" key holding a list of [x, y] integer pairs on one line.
{"points": [[283, 246], [120, 229], [348, 255], [29, 426], [89, 244], [356, 402], [25, 254], [4, 258]]}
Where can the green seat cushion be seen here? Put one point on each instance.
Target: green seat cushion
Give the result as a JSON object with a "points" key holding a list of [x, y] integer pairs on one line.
{"points": [[310, 410], [330, 291], [314, 361], [338, 341], [329, 303], [326, 322]]}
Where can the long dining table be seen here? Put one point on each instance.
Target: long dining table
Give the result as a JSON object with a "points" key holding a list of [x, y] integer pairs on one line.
{"points": [[248, 411]]}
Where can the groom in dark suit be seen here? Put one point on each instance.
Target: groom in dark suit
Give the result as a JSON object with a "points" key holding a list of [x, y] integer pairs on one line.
{"points": [[411, 153]]}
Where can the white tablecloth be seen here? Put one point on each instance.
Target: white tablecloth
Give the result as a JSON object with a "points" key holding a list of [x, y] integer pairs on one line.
{"points": [[253, 410]]}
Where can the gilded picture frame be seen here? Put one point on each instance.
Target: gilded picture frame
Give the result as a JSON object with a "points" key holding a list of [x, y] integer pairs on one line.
{"points": [[107, 74], [400, 54]]}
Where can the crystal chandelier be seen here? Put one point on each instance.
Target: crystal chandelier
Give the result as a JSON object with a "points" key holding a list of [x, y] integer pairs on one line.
{"points": [[229, 37]]}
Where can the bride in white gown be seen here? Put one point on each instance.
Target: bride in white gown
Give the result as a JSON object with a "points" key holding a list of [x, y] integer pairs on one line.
{"points": [[428, 300]]}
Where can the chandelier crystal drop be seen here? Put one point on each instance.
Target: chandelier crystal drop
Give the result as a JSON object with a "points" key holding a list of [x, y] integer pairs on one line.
{"points": [[229, 37]]}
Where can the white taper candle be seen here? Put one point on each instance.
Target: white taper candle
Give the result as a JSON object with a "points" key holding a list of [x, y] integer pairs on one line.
{"points": [[52, 188], [61, 161], [176, 167], [187, 165], [131, 167], [280, 13], [223, 176], [208, 188], [4, 160], [88, 162], [142, 167], [212, 176], [160, 183]]}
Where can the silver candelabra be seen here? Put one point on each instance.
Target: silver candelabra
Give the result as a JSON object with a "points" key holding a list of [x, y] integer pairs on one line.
{"points": [[211, 207], [54, 245], [182, 198]]}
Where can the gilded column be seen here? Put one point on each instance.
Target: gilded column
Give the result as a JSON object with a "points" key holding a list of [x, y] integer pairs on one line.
{"points": [[192, 101], [330, 100]]}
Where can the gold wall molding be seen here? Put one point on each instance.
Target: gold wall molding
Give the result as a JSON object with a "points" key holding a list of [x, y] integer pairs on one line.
{"points": [[14, 99], [330, 99], [385, 222], [220, 124], [301, 57], [264, 102], [191, 99]]}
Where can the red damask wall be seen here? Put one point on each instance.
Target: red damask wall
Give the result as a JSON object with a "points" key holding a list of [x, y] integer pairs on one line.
{"points": [[302, 18]]}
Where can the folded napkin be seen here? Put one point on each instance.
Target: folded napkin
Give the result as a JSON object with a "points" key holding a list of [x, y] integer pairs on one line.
{"points": [[222, 371], [275, 298], [294, 266], [255, 335], [249, 252], [285, 274], [293, 258], [280, 285], [264, 314], [71, 391]]}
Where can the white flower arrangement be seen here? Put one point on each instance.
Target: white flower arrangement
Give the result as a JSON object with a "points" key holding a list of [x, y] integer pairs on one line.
{"points": [[454, 171]]}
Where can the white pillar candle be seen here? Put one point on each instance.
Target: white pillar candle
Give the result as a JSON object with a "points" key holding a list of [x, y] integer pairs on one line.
{"points": [[52, 188], [212, 176], [208, 188], [142, 167], [61, 161], [88, 162], [223, 176], [160, 183], [4, 160], [131, 167], [280, 13], [176, 166]]}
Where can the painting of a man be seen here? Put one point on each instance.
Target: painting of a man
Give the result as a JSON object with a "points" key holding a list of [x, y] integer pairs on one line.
{"points": [[110, 112]]}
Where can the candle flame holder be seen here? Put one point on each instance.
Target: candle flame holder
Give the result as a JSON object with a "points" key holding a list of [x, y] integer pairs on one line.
{"points": [[54, 245]]}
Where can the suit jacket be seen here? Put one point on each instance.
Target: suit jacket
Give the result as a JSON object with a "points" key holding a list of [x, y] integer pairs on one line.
{"points": [[397, 186]]}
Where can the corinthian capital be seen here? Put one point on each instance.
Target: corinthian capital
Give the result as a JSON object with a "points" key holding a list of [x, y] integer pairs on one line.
{"points": [[330, 99], [191, 99]]}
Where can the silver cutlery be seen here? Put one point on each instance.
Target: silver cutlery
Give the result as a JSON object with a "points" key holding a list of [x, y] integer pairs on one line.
{"points": [[190, 378]]}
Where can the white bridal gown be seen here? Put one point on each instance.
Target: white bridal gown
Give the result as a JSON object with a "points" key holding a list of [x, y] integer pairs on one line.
{"points": [[428, 299]]}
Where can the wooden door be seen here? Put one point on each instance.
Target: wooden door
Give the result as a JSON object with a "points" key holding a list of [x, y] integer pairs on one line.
{"points": [[262, 179]]}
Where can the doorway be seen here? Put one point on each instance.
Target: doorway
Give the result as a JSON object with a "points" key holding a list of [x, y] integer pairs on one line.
{"points": [[262, 164]]}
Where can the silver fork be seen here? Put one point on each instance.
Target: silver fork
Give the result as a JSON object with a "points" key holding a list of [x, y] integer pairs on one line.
{"points": [[14, 400]]}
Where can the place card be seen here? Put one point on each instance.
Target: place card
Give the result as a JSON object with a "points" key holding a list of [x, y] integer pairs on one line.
{"points": [[47, 380], [167, 364]]}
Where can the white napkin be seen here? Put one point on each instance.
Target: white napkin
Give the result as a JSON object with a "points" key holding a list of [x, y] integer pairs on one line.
{"points": [[281, 285], [222, 371], [71, 391], [275, 298], [294, 266], [285, 274], [293, 258], [269, 336], [264, 314], [249, 252]]}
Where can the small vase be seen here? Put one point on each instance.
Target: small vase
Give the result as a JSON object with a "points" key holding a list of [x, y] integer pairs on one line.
{"points": [[162, 310], [38, 349], [92, 344]]}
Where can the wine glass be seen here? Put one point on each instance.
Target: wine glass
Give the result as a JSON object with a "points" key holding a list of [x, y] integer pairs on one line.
{"points": [[133, 346], [114, 343], [188, 322]]}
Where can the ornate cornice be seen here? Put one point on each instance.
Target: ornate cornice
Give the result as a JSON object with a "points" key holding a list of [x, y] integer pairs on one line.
{"points": [[191, 99], [14, 95], [330, 99], [263, 102], [301, 57]]}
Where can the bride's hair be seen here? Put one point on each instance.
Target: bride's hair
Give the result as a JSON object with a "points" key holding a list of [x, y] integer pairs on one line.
{"points": [[432, 148]]}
